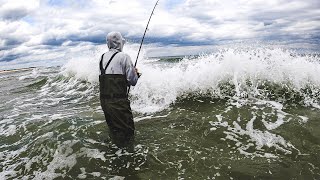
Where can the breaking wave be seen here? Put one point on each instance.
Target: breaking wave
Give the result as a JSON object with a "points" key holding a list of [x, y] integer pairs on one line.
{"points": [[264, 73]]}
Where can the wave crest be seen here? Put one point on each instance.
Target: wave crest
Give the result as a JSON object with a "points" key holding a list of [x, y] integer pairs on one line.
{"points": [[265, 73], [261, 73]]}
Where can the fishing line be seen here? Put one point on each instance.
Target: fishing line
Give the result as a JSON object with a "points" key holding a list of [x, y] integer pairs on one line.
{"points": [[144, 34]]}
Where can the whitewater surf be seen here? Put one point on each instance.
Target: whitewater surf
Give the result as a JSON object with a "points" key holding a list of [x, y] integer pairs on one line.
{"points": [[234, 114]]}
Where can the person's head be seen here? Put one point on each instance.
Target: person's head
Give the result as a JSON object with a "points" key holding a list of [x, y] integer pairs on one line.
{"points": [[115, 41]]}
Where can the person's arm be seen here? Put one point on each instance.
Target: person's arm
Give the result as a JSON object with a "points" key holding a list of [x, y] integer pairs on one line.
{"points": [[131, 73]]}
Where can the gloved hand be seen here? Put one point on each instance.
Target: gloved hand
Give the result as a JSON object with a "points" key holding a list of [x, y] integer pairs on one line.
{"points": [[138, 73]]}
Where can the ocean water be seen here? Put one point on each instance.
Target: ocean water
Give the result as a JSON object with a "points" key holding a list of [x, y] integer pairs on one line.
{"points": [[234, 114]]}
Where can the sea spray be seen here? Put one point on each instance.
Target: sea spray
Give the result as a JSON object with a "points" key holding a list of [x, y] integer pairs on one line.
{"points": [[85, 66]]}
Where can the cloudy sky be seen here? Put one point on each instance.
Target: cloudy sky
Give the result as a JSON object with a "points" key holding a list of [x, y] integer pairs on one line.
{"points": [[34, 30]]}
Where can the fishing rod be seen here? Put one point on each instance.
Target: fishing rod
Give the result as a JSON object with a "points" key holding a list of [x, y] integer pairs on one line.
{"points": [[144, 34], [145, 31]]}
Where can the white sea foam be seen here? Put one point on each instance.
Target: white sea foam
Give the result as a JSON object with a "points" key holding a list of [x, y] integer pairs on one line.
{"points": [[162, 83], [83, 173], [149, 117], [62, 158], [260, 137], [8, 131], [93, 153], [32, 75]]}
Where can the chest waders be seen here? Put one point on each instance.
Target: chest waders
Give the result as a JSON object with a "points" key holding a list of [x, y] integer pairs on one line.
{"points": [[115, 105]]}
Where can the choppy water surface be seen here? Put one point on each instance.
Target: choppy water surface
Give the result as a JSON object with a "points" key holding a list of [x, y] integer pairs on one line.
{"points": [[234, 114]]}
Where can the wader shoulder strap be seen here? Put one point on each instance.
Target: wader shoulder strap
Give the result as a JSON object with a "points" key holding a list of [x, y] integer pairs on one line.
{"points": [[101, 68], [110, 61], [103, 71]]}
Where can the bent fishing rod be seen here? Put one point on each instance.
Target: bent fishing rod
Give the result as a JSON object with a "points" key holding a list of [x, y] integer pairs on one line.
{"points": [[144, 34]]}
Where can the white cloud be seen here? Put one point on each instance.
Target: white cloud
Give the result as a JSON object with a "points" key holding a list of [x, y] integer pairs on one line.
{"points": [[42, 27]]}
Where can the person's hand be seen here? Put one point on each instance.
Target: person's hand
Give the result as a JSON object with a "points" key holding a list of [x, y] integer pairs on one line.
{"points": [[137, 71]]}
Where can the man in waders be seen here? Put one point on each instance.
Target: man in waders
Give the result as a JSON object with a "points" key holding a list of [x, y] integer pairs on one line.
{"points": [[117, 73]]}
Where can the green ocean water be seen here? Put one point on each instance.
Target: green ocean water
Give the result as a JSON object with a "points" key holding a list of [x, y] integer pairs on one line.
{"points": [[229, 115]]}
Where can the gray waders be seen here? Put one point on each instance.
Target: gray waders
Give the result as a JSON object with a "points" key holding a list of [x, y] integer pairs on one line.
{"points": [[116, 106]]}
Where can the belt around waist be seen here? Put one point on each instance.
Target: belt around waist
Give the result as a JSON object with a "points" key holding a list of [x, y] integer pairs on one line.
{"points": [[113, 96]]}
